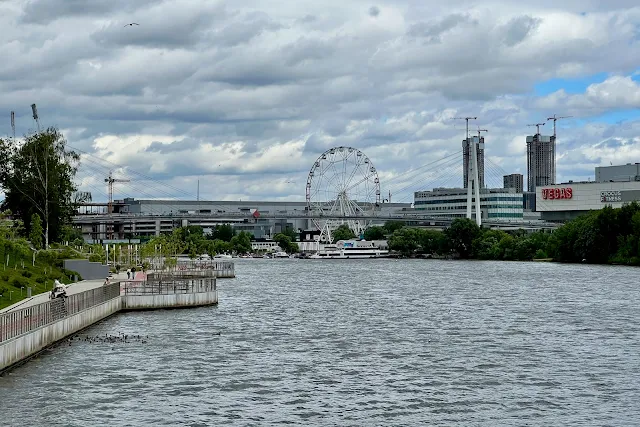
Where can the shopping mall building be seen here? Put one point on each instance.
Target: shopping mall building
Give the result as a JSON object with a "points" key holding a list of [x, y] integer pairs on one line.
{"points": [[562, 202]]}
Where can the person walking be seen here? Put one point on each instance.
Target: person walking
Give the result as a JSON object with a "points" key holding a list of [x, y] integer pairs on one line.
{"points": [[128, 273]]}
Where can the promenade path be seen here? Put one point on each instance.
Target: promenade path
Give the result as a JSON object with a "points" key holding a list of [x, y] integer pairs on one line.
{"points": [[72, 288]]}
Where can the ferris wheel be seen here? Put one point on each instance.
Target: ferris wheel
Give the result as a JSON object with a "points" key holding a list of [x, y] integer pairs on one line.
{"points": [[342, 188]]}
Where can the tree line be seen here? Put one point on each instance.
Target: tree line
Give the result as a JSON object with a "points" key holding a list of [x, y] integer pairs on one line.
{"points": [[605, 236]]}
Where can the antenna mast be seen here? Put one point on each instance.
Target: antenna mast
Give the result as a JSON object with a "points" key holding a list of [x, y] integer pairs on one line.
{"points": [[198, 192]]}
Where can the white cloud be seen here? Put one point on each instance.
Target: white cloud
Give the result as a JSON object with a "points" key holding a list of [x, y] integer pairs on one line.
{"points": [[247, 95]]}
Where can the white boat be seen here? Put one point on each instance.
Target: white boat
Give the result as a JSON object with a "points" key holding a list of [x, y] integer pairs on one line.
{"points": [[222, 256], [281, 255], [351, 249]]}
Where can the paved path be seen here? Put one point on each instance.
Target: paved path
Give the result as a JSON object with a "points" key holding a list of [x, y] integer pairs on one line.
{"points": [[73, 288]]}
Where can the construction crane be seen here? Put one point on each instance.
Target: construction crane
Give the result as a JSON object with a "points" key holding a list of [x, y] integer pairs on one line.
{"points": [[537, 125], [467, 120], [110, 180], [481, 130], [555, 119]]}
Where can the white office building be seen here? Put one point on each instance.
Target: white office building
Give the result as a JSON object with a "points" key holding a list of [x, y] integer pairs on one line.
{"points": [[503, 204]]}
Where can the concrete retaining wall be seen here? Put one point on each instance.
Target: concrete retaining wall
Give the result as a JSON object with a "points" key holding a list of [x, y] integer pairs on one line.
{"points": [[147, 302], [24, 346], [226, 271], [88, 270]]}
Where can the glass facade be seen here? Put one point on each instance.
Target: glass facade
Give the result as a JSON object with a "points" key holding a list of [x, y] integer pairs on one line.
{"points": [[501, 204]]}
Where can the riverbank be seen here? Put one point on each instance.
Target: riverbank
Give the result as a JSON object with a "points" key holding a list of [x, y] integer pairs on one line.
{"points": [[27, 329]]}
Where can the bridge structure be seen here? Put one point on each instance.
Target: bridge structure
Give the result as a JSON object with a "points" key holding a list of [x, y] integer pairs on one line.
{"points": [[155, 224]]}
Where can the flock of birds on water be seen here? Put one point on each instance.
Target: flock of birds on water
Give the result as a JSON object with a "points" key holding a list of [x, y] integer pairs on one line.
{"points": [[121, 338]]}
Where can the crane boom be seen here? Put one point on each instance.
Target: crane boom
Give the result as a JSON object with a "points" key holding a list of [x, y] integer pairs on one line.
{"points": [[555, 119], [537, 125]]}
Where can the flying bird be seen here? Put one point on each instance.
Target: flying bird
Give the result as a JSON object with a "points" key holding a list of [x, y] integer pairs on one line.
{"points": [[132, 24]]}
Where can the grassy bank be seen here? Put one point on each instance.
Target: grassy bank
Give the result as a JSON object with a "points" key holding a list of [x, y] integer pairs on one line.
{"points": [[17, 272]]}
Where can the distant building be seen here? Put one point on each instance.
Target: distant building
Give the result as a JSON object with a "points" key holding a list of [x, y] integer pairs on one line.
{"points": [[466, 158], [515, 181], [541, 161], [495, 203], [563, 202], [619, 173]]}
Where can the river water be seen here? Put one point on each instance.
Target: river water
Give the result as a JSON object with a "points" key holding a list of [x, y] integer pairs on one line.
{"points": [[371, 342]]}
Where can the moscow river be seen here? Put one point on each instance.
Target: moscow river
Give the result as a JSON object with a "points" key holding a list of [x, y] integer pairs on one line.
{"points": [[350, 342]]}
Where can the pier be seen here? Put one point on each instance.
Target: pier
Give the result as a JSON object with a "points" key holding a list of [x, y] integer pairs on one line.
{"points": [[30, 327]]}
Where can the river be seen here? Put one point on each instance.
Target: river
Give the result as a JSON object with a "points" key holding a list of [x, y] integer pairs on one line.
{"points": [[346, 342]]}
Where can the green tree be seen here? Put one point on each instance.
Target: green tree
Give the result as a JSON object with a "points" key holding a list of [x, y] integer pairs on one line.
{"points": [[343, 232], [374, 233], [404, 240], [431, 241], [241, 242], [286, 244], [37, 176], [391, 226], [461, 235], [35, 235], [224, 232], [291, 233]]}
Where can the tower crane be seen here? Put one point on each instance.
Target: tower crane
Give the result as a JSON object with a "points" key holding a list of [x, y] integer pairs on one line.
{"points": [[467, 120], [555, 119], [110, 180], [537, 125], [481, 130]]}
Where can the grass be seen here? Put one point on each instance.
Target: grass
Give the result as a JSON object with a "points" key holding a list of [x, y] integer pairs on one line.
{"points": [[39, 277]]}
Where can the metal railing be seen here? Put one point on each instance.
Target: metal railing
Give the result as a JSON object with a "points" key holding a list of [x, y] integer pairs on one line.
{"points": [[187, 273], [170, 286], [19, 322]]}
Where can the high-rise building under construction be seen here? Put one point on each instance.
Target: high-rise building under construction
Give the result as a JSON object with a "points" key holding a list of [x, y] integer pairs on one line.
{"points": [[541, 161], [466, 158]]}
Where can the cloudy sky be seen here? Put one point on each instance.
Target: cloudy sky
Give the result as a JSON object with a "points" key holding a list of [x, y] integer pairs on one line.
{"points": [[245, 95]]}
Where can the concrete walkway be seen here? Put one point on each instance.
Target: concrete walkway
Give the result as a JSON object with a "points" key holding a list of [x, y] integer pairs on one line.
{"points": [[72, 288]]}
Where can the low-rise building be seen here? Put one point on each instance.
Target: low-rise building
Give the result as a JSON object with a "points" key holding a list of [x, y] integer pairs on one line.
{"points": [[495, 203]]}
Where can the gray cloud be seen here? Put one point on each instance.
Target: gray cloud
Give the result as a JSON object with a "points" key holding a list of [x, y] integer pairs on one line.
{"points": [[433, 30], [519, 28], [248, 97], [46, 11]]}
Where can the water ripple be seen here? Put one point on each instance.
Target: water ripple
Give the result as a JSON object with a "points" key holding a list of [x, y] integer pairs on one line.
{"points": [[380, 342]]}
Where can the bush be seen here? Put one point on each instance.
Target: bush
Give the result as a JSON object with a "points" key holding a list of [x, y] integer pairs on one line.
{"points": [[41, 280], [18, 282], [540, 254], [27, 273], [95, 258]]}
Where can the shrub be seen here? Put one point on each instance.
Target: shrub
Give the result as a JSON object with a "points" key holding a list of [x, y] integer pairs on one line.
{"points": [[27, 273], [95, 258], [41, 280], [18, 282]]}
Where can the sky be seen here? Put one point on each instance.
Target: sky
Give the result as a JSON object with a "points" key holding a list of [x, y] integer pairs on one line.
{"points": [[244, 97]]}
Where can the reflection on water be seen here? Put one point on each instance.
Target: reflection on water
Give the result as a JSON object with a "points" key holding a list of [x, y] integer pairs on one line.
{"points": [[371, 342]]}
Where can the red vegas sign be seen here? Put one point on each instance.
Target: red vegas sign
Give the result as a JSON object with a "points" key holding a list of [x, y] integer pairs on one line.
{"points": [[557, 193]]}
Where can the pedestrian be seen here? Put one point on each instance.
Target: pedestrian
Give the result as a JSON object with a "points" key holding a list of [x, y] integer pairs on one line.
{"points": [[106, 282], [128, 273]]}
